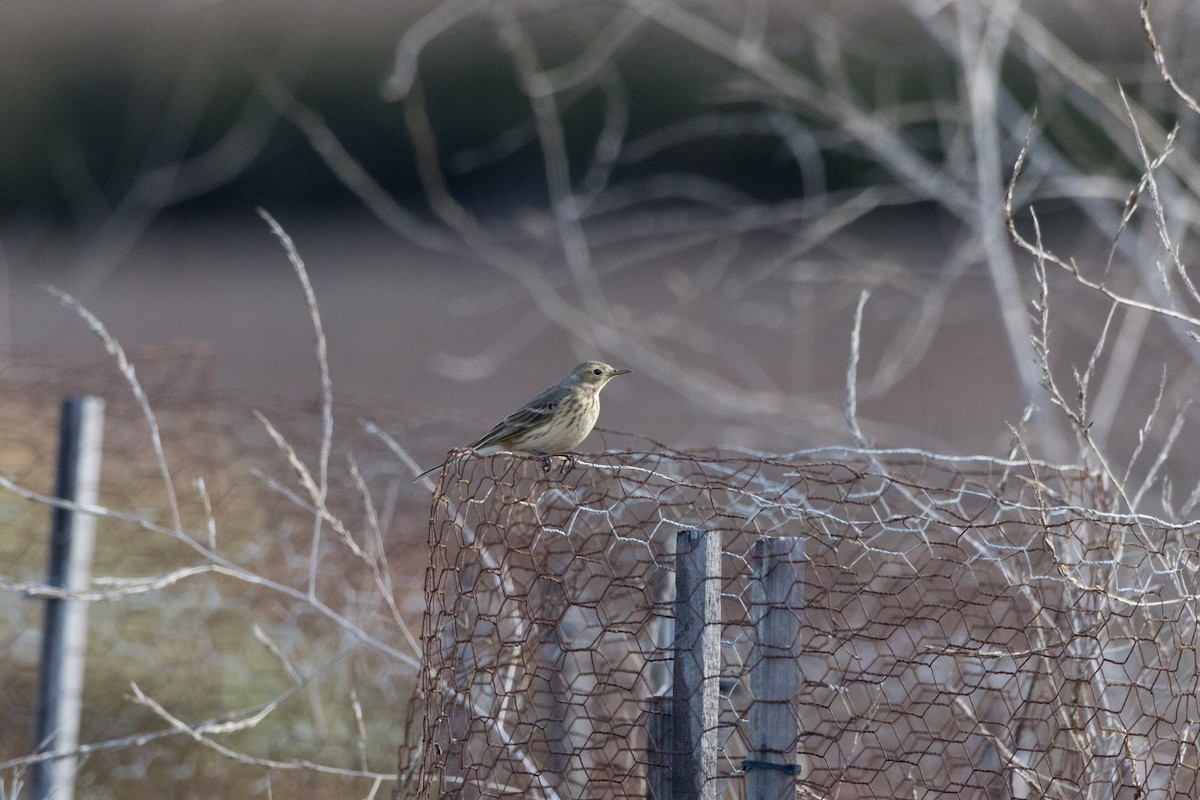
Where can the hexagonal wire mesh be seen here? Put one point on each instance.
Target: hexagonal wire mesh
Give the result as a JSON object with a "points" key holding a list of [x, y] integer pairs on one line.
{"points": [[971, 628]]}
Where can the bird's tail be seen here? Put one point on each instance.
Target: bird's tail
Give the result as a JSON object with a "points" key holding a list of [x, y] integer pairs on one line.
{"points": [[426, 472]]}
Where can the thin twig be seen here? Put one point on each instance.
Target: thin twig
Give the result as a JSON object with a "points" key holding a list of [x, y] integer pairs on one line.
{"points": [[131, 379], [322, 483]]}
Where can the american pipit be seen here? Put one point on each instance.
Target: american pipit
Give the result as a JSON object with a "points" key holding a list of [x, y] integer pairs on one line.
{"points": [[555, 421]]}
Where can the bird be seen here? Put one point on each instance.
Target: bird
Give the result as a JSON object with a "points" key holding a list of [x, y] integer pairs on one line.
{"points": [[554, 422]]}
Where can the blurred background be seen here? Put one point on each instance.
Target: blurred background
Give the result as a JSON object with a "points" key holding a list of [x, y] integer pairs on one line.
{"points": [[724, 213], [485, 194]]}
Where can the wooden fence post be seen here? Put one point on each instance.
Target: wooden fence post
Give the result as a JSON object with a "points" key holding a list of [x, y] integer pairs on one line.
{"points": [[60, 682], [776, 610], [659, 743], [697, 665]]}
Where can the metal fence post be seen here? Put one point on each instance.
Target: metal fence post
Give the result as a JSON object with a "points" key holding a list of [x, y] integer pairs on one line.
{"points": [[776, 609], [697, 665], [60, 682]]}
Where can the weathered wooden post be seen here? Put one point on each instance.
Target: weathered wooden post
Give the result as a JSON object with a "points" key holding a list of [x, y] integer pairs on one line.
{"points": [[776, 609], [697, 665], [659, 743], [60, 682]]}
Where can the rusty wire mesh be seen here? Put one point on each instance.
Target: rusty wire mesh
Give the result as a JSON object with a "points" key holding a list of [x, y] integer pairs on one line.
{"points": [[972, 628]]}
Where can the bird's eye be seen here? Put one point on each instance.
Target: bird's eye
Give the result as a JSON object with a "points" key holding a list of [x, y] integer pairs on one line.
{"points": [[597, 371]]}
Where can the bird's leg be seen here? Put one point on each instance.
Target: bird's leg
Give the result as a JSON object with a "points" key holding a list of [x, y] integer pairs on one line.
{"points": [[545, 458]]}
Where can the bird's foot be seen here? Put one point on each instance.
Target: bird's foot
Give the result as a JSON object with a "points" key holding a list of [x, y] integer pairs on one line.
{"points": [[548, 463]]}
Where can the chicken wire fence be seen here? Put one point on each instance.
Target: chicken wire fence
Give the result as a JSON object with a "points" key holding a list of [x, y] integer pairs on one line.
{"points": [[971, 628]]}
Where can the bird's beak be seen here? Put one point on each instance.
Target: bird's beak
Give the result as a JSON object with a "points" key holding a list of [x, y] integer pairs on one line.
{"points": [[617, 372]]}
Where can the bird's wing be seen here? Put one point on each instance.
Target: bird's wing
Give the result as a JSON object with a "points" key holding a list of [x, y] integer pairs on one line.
{"points": [[532, 414]]}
